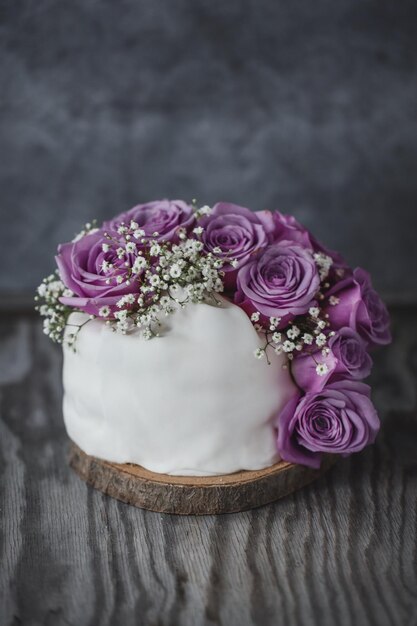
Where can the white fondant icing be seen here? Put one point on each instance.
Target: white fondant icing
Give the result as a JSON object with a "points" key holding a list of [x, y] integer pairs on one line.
{"points": [[194, 401]]}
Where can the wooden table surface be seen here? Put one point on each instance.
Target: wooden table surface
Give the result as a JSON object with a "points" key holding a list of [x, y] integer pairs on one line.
{"points": [[341, 551]]}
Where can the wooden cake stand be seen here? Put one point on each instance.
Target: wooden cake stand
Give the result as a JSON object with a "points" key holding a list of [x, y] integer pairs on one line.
{"points": [[193, 495]]}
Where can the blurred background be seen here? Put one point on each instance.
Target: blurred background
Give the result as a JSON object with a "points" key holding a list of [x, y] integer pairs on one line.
{"points": [[309, 107]]}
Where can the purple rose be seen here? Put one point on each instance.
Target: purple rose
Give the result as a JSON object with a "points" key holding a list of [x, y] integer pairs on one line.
{"points": [[347, 358], [287, 228], [282, 282], [350, 352], [86, 269], [164, 217], [357, 305], [237, 232], [340, 419]]}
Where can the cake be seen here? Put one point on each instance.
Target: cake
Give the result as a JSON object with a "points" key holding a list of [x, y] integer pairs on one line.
{"points": [[203, 341]]}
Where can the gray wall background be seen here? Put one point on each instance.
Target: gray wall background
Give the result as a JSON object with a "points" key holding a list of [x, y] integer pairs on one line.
{"points": [[309, 107]]}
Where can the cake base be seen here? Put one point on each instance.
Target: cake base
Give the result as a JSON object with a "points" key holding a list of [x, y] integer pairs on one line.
{"points": [[193, 495]]}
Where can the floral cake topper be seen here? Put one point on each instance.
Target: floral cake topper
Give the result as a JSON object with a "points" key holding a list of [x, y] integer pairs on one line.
{"points": [[303, 299]]}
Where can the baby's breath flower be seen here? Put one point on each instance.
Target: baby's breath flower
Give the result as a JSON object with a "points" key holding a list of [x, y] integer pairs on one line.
{"points": [[155, 249], [255, 317], [288, 346], [333, 300], [276, 337], [175, 270], [314, 311], [293, 332], [139, 264], [322, 369], [323, 263], [154, 280], [308, 339], [259, 353], [321, 340], [147, 333], [131, 247], [104, 311]]}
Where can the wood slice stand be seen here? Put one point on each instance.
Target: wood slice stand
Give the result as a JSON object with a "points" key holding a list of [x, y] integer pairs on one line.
{"points": [[193, 495]]}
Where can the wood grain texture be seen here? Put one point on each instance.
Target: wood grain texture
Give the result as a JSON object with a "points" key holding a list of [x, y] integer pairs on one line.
{"points": [[341, 551], [193, 495]]}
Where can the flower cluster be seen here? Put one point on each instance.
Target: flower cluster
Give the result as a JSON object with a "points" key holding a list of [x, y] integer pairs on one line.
{"points": [[55, 314], [303, 299]]}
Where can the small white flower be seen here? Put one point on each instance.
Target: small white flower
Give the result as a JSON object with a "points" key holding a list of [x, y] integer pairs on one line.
{"points": [[314, 311], [104, 311], [154, 280], [119, 279], [308, 339], [333, 300], [42, 290], [274, 321], [121, 230], [234, 263], [198, 230], [155, 249], [321, 340], [139, 264], [205, 210], [134, 225], [322, 369], [276, 337], [147, 334], [131, 247], [139, 233], [259, 353], [120, 252], [288, 346], [105, 247], [293, 332], [175, 270], [255, 317], [217, 250], [321, 324]]}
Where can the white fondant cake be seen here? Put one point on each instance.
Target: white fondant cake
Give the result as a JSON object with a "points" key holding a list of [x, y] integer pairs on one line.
{"points": [[193, 402]]}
